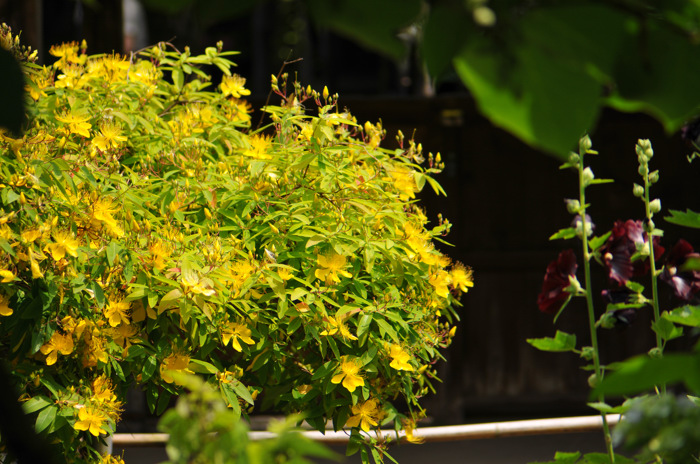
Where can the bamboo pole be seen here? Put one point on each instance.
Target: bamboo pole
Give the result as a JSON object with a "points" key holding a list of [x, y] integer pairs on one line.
{"points": [[428, 434]]}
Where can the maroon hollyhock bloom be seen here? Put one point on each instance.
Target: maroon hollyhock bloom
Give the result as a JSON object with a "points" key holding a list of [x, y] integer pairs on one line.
{"points": [[626, 238], [684, 282], [625, 316], [556, 279]]}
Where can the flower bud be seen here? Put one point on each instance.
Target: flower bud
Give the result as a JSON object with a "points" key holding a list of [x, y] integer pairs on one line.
{"points": [[326, 93], [587, 176], [654, 176], [593, 380], [585, 144], [638, 190], [574, 158], [573, 206], [655, 206]]}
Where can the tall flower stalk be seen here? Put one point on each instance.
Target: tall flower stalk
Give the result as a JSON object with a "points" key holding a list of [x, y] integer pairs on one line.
{"points": [[586, 178]]}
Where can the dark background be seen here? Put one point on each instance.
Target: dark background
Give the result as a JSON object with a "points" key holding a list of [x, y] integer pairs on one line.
{"points": [[504, 199]]}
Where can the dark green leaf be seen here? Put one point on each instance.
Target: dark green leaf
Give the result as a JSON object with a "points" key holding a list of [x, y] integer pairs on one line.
{"points": [[373, 24], [439, 48], [11, 93]]}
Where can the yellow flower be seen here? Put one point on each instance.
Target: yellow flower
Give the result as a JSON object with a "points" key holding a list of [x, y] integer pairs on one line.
{"points": [[5, 309], [365, 415], [6, 276], [236, 333], [349, 374], [440, 281], [409, 426], [337, 325], [404, 182], [121, 335], [64, 243], [66, 51], [399, 358], [239, 111], [59, 343], [176, 362], [259, 146], [31, 235], [191, 283], [103, 390], [330, 266], [109, 137], [95, 349], [160, 252], [116, 312], [234, 86], [90, 419], [462, 277], [284, 273], [77, 122], [102, 214]]}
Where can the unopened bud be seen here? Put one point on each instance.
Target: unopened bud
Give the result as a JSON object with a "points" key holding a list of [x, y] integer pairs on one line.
{"points": [[593, 380], [654, 176], [587, 176], [326, 93], [655, 206], [585, 144], [573, 206], [638, 190]]}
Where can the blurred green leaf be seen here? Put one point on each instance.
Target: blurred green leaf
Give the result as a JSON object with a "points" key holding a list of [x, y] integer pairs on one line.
{"points": [[642, 373], [373, 24]]}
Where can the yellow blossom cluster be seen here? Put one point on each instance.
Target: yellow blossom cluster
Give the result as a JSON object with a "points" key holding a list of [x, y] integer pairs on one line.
{"points": [[148, 231]]}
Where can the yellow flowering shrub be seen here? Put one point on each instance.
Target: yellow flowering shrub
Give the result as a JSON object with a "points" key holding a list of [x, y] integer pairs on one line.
{"points": [[147, 228]]}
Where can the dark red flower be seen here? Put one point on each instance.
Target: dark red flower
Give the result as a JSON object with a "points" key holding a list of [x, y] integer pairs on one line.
{"points": [[556, 279], [626, 239], [624, 316], [685, 282]]}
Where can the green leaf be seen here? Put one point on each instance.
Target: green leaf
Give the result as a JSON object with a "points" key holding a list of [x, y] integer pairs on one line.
{"points": [[112, 250], [652, 80], [562, 341], [688, 218], [45, 418], [564, 234], [202, 367], [642, 373], [36, 403], [686, 315], [370, 23], [178, 78], [439, 48], [149, 368], [597, 242], [242, 391], [666, 329]]}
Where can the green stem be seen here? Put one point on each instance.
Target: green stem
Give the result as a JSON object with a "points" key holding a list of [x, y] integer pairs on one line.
{"points": [[591, 312], [654, 287]]}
